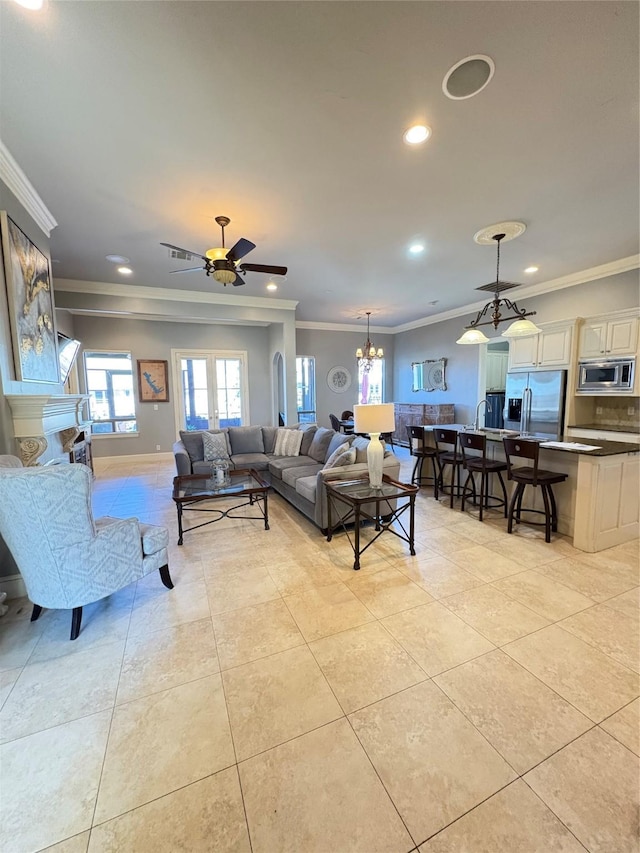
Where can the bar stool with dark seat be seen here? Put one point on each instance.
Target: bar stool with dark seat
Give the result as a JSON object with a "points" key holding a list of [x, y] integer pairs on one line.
{"points": [[422, 451], [444, 439], [479, 462], [534, 476]]}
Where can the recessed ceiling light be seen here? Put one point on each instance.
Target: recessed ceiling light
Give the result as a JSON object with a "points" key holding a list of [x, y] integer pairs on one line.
{"points": [[532, 269], [117, 259], [416, 248], [34, 5], [417, 134], [272, 286], [125, 270]]}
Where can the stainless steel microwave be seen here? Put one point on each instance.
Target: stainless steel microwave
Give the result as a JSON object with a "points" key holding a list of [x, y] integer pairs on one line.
{"points": [[604, 377]]}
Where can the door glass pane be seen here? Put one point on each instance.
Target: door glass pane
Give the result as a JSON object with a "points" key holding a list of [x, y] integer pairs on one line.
{"points": [[228, 386], [306, 389], [370, 382], [195, 392]]}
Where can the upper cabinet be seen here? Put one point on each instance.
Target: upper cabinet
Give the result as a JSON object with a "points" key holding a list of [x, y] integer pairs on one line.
{"points": [[550, 349], [613, 335]]}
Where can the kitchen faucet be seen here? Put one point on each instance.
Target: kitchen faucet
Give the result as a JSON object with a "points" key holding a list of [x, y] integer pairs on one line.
{"points": [[476, 423]]}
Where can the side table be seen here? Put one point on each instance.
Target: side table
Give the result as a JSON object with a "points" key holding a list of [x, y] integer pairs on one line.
{"points": [[382, 506]]}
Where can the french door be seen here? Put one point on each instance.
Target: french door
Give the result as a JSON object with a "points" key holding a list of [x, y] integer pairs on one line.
{"points": [[211, 388]]}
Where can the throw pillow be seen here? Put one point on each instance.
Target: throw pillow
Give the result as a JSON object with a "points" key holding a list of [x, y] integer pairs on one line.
{"points": [[337, 441], [360, 443], [288, 442], [215, 446], [321, 439], [246, 439], [307, 438], [341, 456]]}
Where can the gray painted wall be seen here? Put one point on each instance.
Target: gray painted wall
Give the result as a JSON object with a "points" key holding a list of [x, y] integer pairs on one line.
{"points": [[333, 349], [439, 340], [151, 339]]}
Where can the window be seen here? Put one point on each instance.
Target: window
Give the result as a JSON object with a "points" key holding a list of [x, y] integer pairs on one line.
{"points": [[306, 388], [370, 388], [110, 388]]}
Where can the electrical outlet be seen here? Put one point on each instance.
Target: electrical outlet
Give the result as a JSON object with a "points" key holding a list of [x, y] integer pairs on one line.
{"points": [[155, 407], [157, 447], [631, 410], [598, 410]]}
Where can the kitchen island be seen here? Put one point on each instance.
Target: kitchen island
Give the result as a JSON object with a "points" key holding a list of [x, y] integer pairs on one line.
{"points": [[599, 502]]}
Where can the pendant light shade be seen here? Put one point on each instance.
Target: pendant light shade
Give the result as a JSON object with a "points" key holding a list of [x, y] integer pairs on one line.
{"points": [[473, 336], [521, 329]]}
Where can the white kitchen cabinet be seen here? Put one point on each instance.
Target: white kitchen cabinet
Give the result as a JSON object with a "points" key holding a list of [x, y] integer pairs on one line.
{"points": [[616, 335], [550, 349]]}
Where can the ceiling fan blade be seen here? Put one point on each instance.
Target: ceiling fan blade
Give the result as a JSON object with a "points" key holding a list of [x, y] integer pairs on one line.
{"points": [[186, 251], [241, 248], [239, 280], [191, 269], [264, 268]]}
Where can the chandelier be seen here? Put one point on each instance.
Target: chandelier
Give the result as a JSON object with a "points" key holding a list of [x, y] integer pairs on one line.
{"points": [[519, 329], [368, 354]]}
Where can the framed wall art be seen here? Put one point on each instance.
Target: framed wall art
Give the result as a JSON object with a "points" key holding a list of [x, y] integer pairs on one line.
{"points": [[339, 379], [31, 308], [153, 380]]}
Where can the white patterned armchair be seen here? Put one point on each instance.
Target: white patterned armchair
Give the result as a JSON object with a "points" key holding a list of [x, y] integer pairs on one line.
{"points": [[67, 558]]}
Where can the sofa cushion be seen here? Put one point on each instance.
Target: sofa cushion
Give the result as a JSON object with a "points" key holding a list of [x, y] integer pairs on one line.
{"points": [[278, 464], [336, 441], [288, 442], [291, 475], [246, 439], [306, 487], [192, 440], [257, 461], [269, 438], [307, 437], [320, 443], [203, 468], [214, 446], [341, 456]]}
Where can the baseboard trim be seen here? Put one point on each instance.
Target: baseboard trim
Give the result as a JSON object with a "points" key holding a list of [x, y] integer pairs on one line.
{"points": [[101, 463], [14, 586]]}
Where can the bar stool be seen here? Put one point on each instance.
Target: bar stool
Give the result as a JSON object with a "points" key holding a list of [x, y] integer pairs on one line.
{"points": [[531, 476], [449, 438], [473, 463], [422, 451]]}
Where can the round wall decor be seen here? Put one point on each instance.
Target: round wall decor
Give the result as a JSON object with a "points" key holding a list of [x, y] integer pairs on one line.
{"points": [[339, 379]]}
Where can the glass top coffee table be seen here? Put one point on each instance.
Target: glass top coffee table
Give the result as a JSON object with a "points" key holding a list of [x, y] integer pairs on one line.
{"points": [[382, 506], [190, 491]]}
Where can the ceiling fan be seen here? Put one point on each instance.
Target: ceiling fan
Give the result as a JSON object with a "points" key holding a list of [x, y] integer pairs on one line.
{"points": [[223, 264]]}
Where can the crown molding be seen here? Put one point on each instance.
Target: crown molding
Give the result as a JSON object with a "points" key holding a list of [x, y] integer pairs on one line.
{"points": [[343, 327], [23, 190], [160, 318], [582, 277], [126, 291]]}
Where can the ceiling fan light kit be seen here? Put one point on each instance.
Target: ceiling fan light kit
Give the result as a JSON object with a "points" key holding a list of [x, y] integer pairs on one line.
{"points": [[521, 327], [222, 264]]}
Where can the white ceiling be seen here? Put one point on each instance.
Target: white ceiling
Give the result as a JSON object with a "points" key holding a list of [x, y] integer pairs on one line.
{"points": [[138, 122]]}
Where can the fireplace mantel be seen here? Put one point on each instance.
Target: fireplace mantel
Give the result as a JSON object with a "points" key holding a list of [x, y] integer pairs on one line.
{"points": [[35, 416]]}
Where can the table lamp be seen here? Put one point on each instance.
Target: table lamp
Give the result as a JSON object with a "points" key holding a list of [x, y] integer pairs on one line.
{"points": [[373, 419]]}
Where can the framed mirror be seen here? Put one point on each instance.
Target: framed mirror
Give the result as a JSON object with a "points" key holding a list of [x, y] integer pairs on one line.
{"points": [[428, 375], [418, 373]]}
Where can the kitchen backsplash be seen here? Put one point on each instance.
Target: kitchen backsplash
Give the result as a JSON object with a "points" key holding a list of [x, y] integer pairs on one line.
{"points": [[609, 411]]}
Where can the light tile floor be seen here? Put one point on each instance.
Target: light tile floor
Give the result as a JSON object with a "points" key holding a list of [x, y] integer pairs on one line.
{"points": [[480, 696]]}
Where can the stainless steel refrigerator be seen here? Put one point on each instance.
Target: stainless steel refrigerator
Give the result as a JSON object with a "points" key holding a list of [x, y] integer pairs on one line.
{"points": [[534, 403]]}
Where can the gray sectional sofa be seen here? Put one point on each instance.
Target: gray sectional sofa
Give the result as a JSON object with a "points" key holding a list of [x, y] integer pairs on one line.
{"points": [[299, 479]]}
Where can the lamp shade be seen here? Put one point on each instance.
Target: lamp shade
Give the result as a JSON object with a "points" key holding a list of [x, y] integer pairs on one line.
{"points": [[521, 329], [224, 276], [473, 336], [374, 417]]}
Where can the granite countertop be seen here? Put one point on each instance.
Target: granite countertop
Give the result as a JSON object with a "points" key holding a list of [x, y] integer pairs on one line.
{"points": [[605, 448], [604, 428]]}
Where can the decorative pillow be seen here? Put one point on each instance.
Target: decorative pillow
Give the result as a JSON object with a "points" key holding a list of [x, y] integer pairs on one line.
{"points": [[192, 440], [321, 439], [307, 438], [215, 446], [360, 444], [337, 441], [288, 442], [341, 456]]}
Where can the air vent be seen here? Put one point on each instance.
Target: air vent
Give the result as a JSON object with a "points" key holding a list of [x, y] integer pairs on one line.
{"points": [[182, 256], [499, 286]]}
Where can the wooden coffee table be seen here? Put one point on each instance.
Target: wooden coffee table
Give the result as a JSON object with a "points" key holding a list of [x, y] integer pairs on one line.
{"points": [[368, 504], [190, 491]]}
